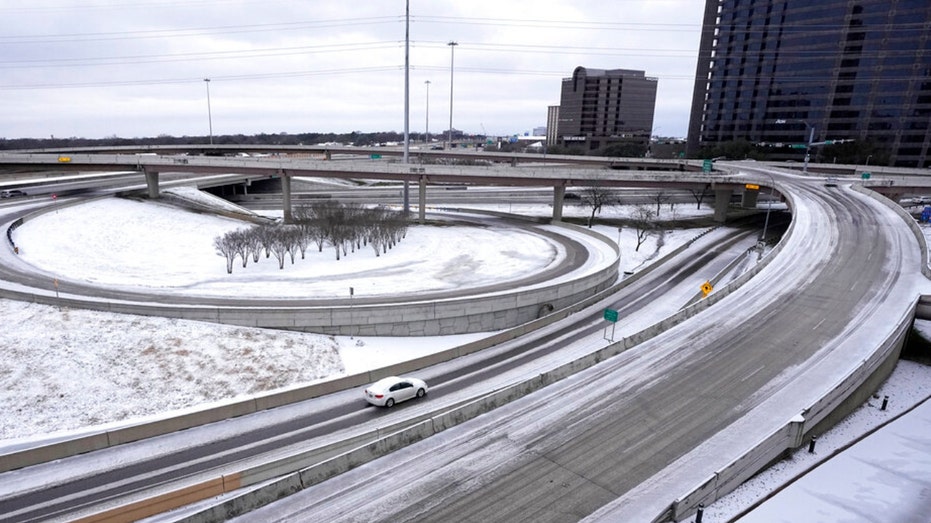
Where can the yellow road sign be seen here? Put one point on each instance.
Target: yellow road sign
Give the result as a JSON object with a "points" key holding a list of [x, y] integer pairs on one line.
{"points": [[706, 288], [752, 187]]}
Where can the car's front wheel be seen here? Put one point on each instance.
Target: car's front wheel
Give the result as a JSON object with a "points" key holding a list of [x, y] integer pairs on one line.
{"points": [[420, 393], [389, 402]]}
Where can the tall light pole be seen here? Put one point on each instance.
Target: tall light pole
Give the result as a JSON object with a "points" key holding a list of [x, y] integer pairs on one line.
{"points": [[426, 139], [209, 115], [407, 97], [452, 56], [407, 81]]}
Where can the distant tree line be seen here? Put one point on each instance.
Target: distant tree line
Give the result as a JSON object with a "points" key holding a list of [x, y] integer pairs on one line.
{"points": [[344, 227], [355, 138]]}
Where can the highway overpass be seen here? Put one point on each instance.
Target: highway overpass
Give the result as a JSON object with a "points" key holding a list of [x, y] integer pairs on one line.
{"points": [[722, 185]]}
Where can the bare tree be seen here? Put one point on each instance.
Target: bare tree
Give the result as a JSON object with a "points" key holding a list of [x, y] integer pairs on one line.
{"points": [[225, 248], [278, 243], [659, 198], [700, 195], [596, 197], [301, 241], [253, 243], [643, 224], [240, 239]]}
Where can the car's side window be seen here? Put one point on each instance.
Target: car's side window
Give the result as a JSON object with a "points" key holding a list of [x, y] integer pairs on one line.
{"points": [[396, 386], [406, 385]]}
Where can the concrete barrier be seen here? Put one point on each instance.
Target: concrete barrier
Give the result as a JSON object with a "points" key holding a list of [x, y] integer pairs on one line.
{"points": [[824, 412], [157, 505]]}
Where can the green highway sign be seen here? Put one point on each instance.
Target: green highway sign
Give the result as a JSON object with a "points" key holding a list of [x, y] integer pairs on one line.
{"points": [[375, 157], [865, 176], [706, 166], [611, 315], [797, 146]]}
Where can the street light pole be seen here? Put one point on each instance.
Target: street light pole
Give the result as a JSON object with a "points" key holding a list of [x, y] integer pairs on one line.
{"points": [[407, 82], [452, 56], [426, 139], [407, 97], [209, 115], [772, 188]]}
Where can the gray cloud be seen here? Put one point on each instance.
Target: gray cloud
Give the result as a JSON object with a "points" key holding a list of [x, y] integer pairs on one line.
{"points": [[93, 69]]}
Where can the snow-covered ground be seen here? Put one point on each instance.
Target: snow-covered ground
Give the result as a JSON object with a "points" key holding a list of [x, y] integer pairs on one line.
{"points": [[147, 366], [58, 364]]}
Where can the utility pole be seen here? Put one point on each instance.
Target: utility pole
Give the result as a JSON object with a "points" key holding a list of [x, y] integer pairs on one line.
{"points": [[407, 108], [209, 116], [426, 139], [452, 57]]}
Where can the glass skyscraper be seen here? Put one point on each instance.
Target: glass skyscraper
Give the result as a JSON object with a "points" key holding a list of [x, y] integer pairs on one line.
{"points": [[783, 72]]}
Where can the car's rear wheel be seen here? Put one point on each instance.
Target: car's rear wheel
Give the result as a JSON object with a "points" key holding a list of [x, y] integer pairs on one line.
{"points": [[420, 393], [389, 402]]}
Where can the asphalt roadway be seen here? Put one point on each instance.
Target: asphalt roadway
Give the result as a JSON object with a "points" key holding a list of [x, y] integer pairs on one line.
{"points": [[178, 459], [602, 444]]}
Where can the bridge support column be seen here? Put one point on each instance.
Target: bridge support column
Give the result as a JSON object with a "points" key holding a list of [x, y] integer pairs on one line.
{"points": [[422, 200], [286, 196], [151, 183], [722, 198], [749, 199], [559, 195]]}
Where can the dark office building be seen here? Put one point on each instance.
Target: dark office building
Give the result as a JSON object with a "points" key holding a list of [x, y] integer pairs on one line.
{"points": [[601, 107], [773, 71]]}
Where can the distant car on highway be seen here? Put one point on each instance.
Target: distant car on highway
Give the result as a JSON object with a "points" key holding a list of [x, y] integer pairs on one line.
{"points": [[830, 181], [388, 391], [11, 193]]}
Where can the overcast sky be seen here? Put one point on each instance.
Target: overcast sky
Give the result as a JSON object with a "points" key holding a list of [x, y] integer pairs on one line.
{"points": [[136, 68]]}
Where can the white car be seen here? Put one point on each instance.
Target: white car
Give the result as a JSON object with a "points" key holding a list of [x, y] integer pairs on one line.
{"points": [[388, 391]]}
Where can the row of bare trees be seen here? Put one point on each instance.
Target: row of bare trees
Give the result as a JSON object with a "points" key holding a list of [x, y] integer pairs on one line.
{"points": [[644, 215], [344, 227]]}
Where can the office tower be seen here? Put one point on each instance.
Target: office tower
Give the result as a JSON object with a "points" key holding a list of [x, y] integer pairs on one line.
{"points": [[783, 72], [599, 108]]}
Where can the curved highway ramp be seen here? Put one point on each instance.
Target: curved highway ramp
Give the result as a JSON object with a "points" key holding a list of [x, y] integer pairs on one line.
{"points": [[645, 435]]}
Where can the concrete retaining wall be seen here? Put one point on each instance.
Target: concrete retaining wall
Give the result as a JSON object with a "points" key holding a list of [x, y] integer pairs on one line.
{"points": [[421, 317]]}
